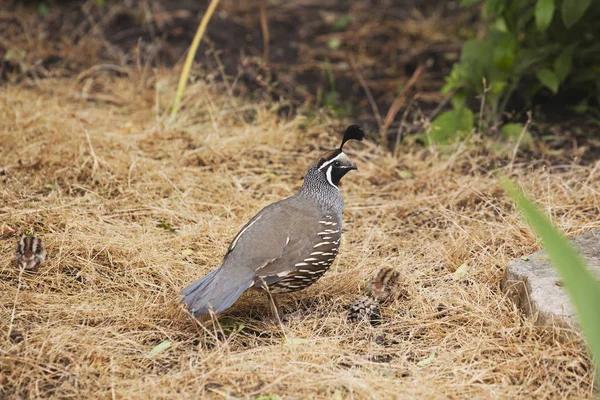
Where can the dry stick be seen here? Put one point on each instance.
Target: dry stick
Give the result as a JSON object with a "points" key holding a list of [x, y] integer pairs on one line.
{"points": [[523, 131], [441, 105], [96, 164], [400, 99], [185, 72], [365, 87], [264, 26], [482, 104], [402, 123], [12, 314]]}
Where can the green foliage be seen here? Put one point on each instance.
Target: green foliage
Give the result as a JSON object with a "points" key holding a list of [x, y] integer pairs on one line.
{"points": [[449, 126], [548, 78], [517, 133], [331, 99], [343, 21], [581, 285], [544, 11], [544, 44], [159, 348]]}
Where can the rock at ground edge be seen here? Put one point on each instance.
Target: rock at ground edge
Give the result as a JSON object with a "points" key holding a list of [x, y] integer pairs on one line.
{"points": [[533, 284]]}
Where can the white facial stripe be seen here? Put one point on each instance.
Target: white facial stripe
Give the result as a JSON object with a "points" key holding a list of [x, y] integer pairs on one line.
{"points": [[239, 235], [336, 158], [328, 174]]}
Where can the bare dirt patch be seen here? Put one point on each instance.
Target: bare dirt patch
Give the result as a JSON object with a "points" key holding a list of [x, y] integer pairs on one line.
{"points": [[133, 206]]}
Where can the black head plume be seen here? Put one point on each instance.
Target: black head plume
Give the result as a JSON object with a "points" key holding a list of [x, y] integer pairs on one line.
{"points": [[352, 132]]}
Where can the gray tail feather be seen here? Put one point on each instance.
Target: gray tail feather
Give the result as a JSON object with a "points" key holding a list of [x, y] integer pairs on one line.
{"points": [[214, 292]]}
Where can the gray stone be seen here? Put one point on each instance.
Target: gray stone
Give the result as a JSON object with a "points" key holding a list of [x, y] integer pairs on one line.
{"points": [[533, 284]]}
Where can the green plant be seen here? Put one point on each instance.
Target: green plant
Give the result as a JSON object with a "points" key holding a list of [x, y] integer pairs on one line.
{"points": [[331, 100], [187, 66], [581, 285], [530, 45]]}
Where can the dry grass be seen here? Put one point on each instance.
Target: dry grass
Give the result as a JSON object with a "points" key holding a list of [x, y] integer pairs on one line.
{"points": [[133, 207]]}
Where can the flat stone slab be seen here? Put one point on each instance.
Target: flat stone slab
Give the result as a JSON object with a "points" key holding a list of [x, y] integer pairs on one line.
{"points": [[533, 284]]}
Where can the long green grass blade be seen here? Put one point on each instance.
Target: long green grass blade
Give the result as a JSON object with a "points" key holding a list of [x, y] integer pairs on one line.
{"points": [[185, 72], [582, 286]]}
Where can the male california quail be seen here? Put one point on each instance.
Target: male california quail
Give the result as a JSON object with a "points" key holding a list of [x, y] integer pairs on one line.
{"points": [[287, 246], [30, 252]]}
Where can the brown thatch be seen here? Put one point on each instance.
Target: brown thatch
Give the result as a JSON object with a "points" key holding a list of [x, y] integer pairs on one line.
{"points": [[133, 206]]}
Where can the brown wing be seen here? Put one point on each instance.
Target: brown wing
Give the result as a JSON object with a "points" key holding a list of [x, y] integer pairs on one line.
{"points": [[277, 229], [306, 257]]}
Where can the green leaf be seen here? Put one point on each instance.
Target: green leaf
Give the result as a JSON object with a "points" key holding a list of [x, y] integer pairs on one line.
{"points": [[334, 43], [562, 64], [475, 50], [581, 285], [43, 9], [159, 348], [548, 78], [582, 107], [573, 10], [544, 12], [505, 50], [461, 272], [493, 6], [449, 126], [512, 133], [468, 3], [342, 21], [459, 99], [295, 341], [427, 360]]}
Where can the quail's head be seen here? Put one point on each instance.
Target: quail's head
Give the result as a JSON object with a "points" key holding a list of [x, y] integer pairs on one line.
{"points": [[335, 164], [386, 285]]}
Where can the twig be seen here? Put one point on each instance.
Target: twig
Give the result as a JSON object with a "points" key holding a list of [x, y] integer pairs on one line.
{"points": [[482, 104], [516, 148], [402, 123], [441, 105], [12, 314], [370, 97], [185, 72], [92, 153], [400, 99], [264, 26]]}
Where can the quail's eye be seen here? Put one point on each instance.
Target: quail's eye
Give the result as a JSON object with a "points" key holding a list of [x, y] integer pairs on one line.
{"points": [[337, 164]]}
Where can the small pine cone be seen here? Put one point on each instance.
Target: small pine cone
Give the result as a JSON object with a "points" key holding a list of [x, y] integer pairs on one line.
{"points": [[386, 286], [365, 308]]}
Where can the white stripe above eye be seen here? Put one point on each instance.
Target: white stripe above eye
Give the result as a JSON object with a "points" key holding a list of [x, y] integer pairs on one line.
{"points": [[336, 158], [239, 235]]}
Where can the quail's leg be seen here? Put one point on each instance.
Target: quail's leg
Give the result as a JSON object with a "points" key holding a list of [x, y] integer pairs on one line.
{"points": [[276, 311]]}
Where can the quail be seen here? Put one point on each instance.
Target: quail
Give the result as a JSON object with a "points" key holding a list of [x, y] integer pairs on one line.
{"points": [[386, 287], [365, 308], [287, 246], [30, 253]]}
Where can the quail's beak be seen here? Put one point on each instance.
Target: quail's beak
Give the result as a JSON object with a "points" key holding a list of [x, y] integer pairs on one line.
{"points": [[351, 166]]}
